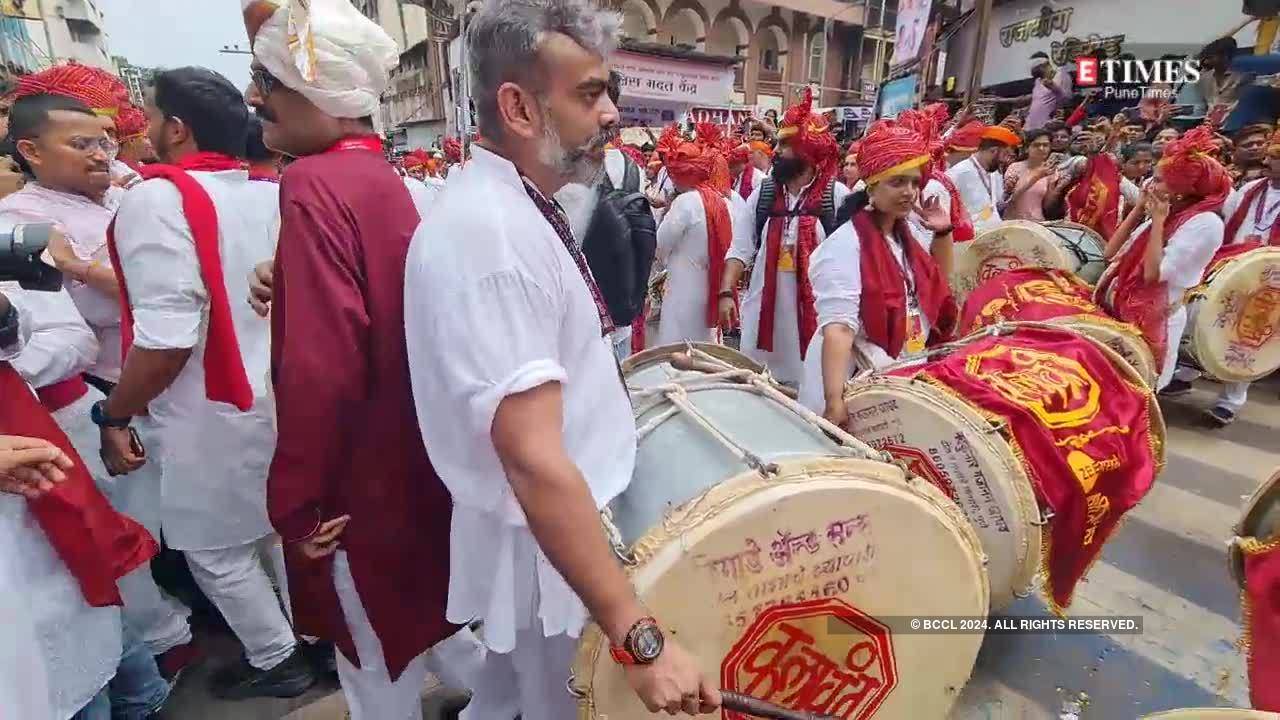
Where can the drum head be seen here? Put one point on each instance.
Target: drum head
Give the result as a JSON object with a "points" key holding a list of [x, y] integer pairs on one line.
{"points": [[1124, 340], [643, 368], [1213, 714], [1086, 247], [945, 440], [1236, 337], [1013, 244], [791, 589], [1260, 519]]}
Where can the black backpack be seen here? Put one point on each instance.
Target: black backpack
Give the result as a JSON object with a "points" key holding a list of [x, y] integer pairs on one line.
{"points": [[769, 193], [620, 244]]}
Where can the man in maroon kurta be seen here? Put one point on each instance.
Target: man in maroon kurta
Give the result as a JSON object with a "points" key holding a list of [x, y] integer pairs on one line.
{"points": [[364, 517]]}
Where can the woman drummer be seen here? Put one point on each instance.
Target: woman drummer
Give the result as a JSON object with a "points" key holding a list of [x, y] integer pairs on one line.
{"points": [[877, 288], [1154, 262]]}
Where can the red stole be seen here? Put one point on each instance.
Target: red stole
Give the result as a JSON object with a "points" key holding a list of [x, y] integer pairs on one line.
{"points": [[225, 378], [961, 223], [1256, 194], [1261, 611], [806, 243], [883, 307], [719, 236], [97, 544], [746, 182], [1095, 200]]}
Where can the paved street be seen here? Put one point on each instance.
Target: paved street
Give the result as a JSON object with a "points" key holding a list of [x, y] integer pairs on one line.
{"points": [[1167, 564]]}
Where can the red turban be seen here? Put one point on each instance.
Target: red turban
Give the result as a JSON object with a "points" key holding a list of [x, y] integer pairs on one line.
{"points": [[809, 134], [668, 142], [100, 91], [415, 159], [926, 125], [740, 154], [890, 149], [1188, 167], [453, 149], [691, 164], [131, 123], [967, 138], [634, 153]]}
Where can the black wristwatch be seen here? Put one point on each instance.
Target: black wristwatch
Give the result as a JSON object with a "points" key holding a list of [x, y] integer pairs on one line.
{"points": [[100, 418], [9, 327]]}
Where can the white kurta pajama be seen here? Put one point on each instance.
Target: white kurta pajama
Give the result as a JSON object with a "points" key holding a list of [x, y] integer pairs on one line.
{"points": [[981, 192], [66, 650], [508, 273], [215, 461], [159, 620], [682, 250], [836, 274], [784, 361], [1186, 257]]}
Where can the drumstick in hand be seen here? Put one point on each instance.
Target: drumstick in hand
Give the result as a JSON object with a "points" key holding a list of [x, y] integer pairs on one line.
{"points": [[762, 709]]}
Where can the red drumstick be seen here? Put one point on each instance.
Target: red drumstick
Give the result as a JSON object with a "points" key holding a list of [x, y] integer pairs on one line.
{"points": [[767, 710]]}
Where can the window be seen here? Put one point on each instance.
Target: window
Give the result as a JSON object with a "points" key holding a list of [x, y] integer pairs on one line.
{"points": [[769, 60], [817, 57]]}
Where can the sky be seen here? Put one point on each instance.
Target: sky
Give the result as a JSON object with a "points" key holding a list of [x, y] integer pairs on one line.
{"points": [[174, 33]]}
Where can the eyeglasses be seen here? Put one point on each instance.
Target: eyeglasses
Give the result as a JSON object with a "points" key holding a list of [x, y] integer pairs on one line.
{"points": [[264, 81], [88, 145]]}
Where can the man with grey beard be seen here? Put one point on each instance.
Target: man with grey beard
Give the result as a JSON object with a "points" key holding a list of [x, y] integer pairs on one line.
{"points": [[519, 396]]}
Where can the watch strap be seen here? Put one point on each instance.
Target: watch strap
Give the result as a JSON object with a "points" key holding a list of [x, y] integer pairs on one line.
{"points": [[100, 418]]}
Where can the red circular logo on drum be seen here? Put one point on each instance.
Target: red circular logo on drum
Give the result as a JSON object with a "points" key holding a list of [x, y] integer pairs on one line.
{"points": [[822, 656]]}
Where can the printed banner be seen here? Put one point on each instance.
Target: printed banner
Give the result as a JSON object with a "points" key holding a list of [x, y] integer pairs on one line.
{"points": [[1090, 459], [648, 77]]}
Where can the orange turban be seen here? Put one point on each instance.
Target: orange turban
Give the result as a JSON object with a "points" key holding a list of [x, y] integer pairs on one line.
{"points": [[761, 147], [131, 123], [1189, 168], [809, 134], [967, 138], [691, 164], [1002, 134], [100, 91], [415, 159], [890, 149]]}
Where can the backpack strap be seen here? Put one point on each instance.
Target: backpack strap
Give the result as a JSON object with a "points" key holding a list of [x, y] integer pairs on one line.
{"points": [[828, 216], [631, 177], [764, 206]]}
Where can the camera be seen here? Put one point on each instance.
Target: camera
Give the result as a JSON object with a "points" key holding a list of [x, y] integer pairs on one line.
{"points": [[20, 250]]}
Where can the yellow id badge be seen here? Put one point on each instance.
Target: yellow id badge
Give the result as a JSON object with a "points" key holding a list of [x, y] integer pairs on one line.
{"points": [[915, 335], [986, 213], [786, 262]]}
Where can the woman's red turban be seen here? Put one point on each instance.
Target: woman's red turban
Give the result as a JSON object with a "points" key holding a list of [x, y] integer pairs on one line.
{"points": [[890, 149]]}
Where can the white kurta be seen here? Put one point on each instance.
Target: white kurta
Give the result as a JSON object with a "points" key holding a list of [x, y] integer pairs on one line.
{"points": [[836, 274], [784, 361], [215, 461], [1255, 222], [1186, 256], [424, 195], [66, 650], [495, 305], [980, 191], [682, 250]]}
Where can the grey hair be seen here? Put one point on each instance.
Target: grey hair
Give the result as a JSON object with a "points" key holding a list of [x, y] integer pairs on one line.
{"points": [[504, 36]]}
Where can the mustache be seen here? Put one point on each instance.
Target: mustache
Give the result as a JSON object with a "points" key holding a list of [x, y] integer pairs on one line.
{"points": [[597, 143]]}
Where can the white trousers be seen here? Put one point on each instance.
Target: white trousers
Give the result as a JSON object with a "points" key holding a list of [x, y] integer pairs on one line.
{"points": [[370, 692], [160, 620], [1233, 396], [531, 680], [235, 580]]}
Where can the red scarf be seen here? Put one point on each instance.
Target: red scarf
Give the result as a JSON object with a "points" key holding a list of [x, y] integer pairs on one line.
{"points": [[97, 544], [746, 183], [961, 223], [225, 379], [719, 236], [1255, 194], [264, 175], [1095, 200], [806, 243], [1261, 611], [883, 307]]}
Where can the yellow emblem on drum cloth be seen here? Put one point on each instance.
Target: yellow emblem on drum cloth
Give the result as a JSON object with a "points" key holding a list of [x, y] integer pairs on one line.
{"points": [[1059, 391], [1051, 293], [1259, 318]]}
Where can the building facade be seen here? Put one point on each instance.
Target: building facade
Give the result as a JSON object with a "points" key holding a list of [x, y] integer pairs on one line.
{"points": [[38, 33], [417, 106], [134, 77]]}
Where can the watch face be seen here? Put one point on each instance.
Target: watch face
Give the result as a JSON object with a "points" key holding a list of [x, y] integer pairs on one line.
{"points": [[648, 644]]}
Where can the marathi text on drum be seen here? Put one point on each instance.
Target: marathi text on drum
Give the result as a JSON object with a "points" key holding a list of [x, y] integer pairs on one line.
{"points": [[1013, 624]]}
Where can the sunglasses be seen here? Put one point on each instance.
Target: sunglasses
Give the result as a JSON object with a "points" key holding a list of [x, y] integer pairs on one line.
{"points": [[264, 81]]}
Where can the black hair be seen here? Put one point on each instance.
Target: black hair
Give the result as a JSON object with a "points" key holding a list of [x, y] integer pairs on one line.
{"points": [[1040, 54], [255, 149], [988, 143], [614, 87], [1054, 126], [29, 117], [853, 203], [207, 103], [1034, 135], [1222, 46], [1130, 151]]}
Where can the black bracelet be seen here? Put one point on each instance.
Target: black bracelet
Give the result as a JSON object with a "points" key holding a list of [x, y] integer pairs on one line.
{"points": [[9, 326], [726, 294]]}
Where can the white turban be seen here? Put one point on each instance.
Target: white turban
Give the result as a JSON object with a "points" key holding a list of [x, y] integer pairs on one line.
{"points": [[326, 50]]}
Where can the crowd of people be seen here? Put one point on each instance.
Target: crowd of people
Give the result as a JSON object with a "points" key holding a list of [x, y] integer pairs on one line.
{"points": [[376, 405]]}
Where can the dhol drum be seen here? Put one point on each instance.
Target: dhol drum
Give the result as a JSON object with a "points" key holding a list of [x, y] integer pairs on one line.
{"points": [[1011, 245], [1085, 247], [1213, 714], [1260, 521], [781, 552], [1059, 298], [1235, 332], [1254, 558], [1009, 421]]}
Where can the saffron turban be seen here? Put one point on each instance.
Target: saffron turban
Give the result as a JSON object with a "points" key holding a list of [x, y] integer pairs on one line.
{"points": [[326, 50], [100, 91], [131, 123], [761, 147], [967, 138], [890, 149], [691, 164], [1189, 168], [1002, 134], [416, 159], [808, 133]]}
